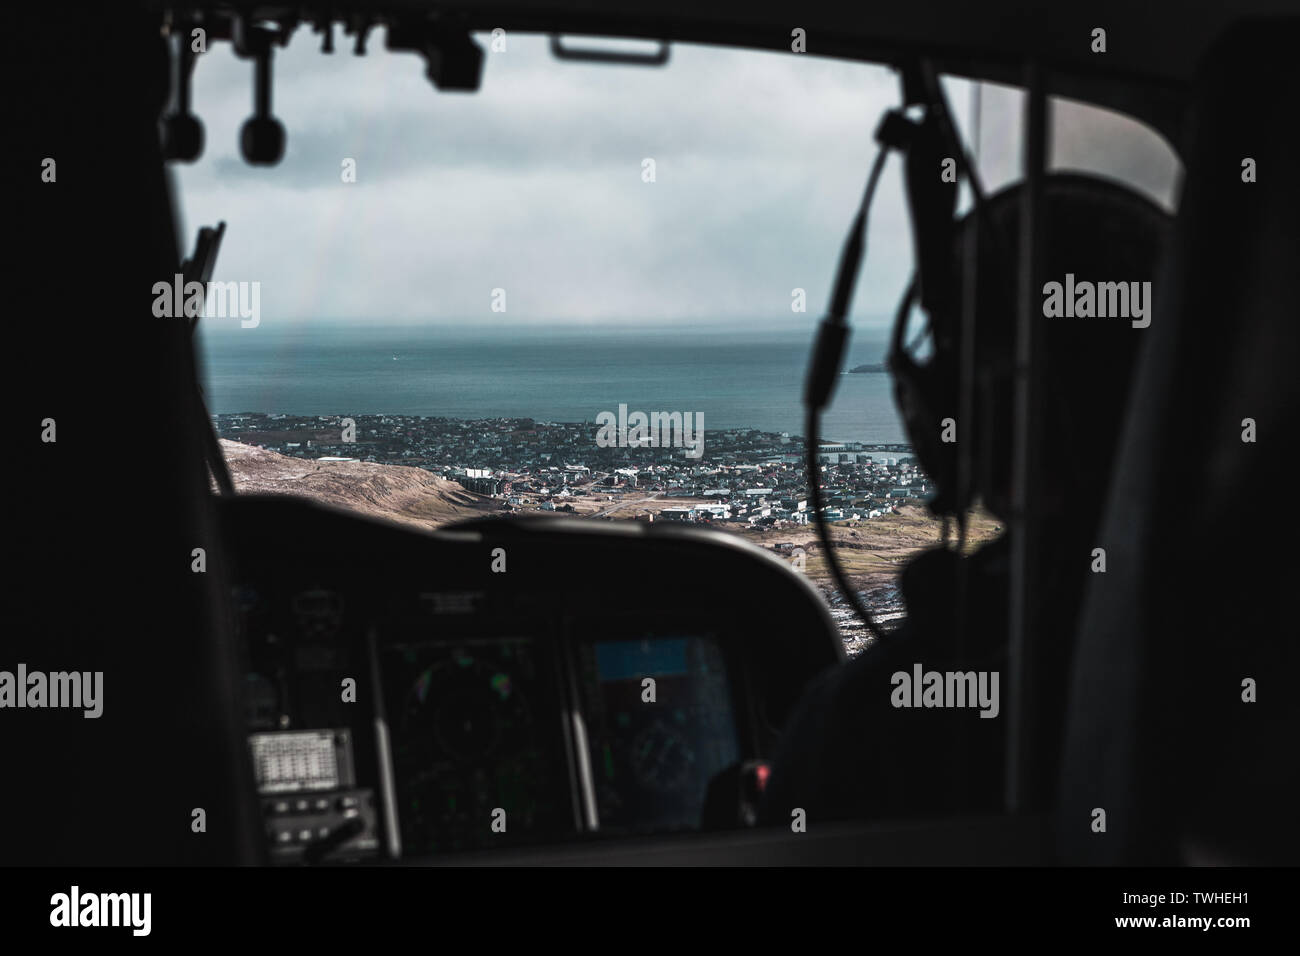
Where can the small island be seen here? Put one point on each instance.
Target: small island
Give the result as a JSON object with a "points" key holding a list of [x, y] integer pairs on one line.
{"points": [[869, 368]]}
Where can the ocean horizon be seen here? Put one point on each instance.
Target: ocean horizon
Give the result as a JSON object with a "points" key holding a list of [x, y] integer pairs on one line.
{"points": [[736, 377]]}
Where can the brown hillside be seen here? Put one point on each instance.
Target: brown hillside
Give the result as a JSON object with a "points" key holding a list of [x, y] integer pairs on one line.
{"points": [[395, 492]]}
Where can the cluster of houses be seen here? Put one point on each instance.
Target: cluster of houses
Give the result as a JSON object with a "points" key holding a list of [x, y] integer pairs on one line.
{"points": [[767, 510], [747, 477]]}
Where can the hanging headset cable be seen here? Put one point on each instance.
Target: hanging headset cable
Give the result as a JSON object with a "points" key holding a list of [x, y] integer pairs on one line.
{"points": [[828, 354]]}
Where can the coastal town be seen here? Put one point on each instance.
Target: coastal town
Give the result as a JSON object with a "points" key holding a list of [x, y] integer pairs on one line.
{"points": [[745, 479], [747, 482]]}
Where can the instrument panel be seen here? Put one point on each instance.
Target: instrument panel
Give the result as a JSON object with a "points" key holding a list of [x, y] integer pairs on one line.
{"points": [[661, 723], [475, 731], [405, 701]]}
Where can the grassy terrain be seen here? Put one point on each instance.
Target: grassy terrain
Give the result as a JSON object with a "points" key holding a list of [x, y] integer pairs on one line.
{"points": [[872, 552]]}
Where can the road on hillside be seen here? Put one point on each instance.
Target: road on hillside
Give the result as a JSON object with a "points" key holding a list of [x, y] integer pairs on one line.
{"points": [[624, 504]]}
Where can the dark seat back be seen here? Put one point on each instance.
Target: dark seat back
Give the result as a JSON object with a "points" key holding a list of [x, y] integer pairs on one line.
{"points": [[1200, 586]]}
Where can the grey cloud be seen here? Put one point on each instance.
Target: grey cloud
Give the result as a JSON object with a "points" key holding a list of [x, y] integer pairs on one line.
{"points": [[533, 184]]}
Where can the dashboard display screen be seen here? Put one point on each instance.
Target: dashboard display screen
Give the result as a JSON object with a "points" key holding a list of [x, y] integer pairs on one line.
{"points": [[477, 750], [305, 760], [655, 746]]}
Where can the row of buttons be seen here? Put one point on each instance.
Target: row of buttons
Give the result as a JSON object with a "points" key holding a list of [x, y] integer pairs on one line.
{"points": [[314, 805], [304, 835]]}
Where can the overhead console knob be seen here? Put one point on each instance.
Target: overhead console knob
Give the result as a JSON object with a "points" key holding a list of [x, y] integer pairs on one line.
{"points": [[182, 132], [261, 139], [182, 137]]}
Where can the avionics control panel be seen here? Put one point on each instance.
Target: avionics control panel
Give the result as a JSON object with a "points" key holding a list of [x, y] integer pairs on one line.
{"points": [[311, 806], [417, 704], [476, 742], [661, 723]]}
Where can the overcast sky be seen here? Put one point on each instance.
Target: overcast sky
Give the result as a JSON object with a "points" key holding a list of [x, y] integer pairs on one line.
{"points": [[534, 185]]}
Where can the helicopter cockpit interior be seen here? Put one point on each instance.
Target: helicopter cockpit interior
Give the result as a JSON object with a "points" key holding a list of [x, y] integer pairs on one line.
{"points": [[334, 689]]}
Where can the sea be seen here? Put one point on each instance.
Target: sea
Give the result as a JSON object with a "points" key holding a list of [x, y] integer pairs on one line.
{"points": [[735, 375]]}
